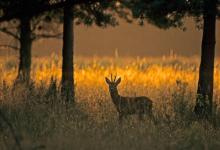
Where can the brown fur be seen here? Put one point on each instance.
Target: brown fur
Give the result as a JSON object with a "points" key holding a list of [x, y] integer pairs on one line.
{"points": [[129, 105]]}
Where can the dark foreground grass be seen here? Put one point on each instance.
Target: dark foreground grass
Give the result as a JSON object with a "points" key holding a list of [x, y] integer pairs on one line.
{"points": [[41, 121]]}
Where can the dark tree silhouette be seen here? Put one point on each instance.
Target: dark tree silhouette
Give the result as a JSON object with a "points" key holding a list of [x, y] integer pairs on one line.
{"points": [[89, 12], [24, 34], [29, 29], [67, 88], [170, 13], [203, 108], [25, 49], [100, 13]]}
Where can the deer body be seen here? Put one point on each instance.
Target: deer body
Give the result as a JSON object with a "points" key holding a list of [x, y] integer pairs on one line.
{"points": [[129, 105]]}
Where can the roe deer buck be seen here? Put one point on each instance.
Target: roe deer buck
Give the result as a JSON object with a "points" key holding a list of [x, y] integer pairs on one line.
{"points": [[128, 105]]}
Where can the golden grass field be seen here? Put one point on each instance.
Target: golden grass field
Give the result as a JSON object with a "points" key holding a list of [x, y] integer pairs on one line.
{"points": [[170, 81]]}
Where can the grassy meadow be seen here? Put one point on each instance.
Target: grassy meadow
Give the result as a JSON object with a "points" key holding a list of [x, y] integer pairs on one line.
{"points": [[41, 121]]}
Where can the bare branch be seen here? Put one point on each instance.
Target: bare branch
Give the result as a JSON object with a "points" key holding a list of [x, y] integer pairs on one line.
{"points": [[6, 31], [47, 36], [9, 46]]}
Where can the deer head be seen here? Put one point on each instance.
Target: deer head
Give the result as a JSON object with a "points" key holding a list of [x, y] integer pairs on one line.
{"points": [[113, 83]]}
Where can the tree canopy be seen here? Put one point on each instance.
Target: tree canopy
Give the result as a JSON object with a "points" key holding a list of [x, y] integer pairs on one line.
{"points": [[168, 13]]}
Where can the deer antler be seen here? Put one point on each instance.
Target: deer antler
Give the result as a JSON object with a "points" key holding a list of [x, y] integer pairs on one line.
{"points": [[115, 78]]}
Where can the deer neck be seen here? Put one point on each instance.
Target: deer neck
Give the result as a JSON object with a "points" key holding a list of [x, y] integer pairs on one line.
{"points": [[114, 95]]}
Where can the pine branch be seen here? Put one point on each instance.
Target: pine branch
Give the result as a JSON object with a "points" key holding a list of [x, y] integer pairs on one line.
{"points": [[6, 31], [42, 8]]}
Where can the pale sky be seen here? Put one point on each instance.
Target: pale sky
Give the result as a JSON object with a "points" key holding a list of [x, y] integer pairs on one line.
{"points": [[131, 40]]}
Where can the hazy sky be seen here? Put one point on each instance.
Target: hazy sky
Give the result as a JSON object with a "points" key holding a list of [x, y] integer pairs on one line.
{"points": [[131, 39]]}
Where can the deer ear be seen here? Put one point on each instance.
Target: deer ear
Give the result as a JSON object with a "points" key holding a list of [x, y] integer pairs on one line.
{"points": [[118, 81], [107, 80]]}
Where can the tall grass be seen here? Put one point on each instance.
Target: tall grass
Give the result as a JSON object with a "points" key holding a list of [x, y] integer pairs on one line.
{"points": [[42, 121]]}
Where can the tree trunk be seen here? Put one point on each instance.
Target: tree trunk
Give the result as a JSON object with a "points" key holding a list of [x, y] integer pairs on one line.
{"points": [[203, 108], [25, 50], [67, 89]]}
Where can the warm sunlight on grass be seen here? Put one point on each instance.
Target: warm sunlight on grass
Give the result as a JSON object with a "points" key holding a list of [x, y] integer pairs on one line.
{"points": [[170, 82], [91, 71], [148, 74], [142, 72]]}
